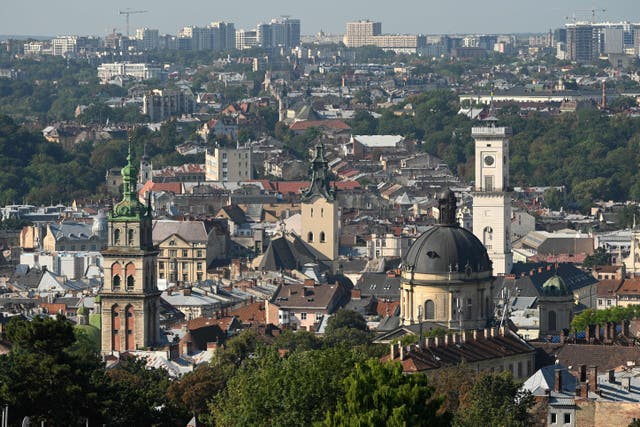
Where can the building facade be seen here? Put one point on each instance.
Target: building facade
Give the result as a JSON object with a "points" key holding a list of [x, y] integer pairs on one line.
{"points": [[229, 164]]}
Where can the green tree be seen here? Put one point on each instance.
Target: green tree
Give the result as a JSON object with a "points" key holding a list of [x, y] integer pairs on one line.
{"points": [[378, 394], [495, 400], [44, 378], [599, 257], [296, 390]]}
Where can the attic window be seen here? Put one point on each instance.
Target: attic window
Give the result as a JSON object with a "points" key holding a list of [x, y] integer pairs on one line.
{"points": [[432, 254], [172, 243]]}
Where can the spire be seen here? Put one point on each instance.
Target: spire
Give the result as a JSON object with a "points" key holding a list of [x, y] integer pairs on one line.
{"points": [[129, 207], [320, 179]]}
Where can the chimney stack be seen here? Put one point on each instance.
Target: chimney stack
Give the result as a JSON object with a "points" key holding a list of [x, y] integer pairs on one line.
{"points": [[626, 383], [593, 378], [557, 384], [583, 373], [612, 376]]}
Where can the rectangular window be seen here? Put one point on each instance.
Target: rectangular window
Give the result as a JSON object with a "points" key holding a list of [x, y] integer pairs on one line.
{"points": [[599, 302], [161, 275], [488, 183], [185, 277], [567, 418], [303, 316], [185, 253], [608, 302], [199, 276], [199, 266], [185, 266], [173, 253], [161, 265], [199, 253], [554, 419]]}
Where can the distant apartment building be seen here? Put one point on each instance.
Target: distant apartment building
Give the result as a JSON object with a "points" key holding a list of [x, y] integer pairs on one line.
{"points": [[161, 104], [279, 33], [229, 164], [217, 36], [367, 33], [586, 41], [139, 71], [246, 39], [147, 39]]}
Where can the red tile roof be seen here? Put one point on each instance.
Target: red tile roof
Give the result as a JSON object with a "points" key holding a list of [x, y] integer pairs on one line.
{"points": [[252, 313], [171, 187], [334, 124]]}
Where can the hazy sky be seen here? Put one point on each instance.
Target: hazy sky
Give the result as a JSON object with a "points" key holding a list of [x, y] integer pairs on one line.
{"points": [[91, 17]]}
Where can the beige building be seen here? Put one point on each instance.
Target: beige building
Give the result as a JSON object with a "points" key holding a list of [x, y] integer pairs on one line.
{"points": [[447, 277], [229, 164], [320, 210], [183, 249], [367, 33], [129, 299]]}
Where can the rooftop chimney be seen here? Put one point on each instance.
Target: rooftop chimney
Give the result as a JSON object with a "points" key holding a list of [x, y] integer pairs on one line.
{"points": [[593, 378], [612, 376], [356, 293], [583, 373], [557, 384]]}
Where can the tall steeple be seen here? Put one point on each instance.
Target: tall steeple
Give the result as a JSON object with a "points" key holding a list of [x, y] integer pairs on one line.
{"points": [[320, 177]]}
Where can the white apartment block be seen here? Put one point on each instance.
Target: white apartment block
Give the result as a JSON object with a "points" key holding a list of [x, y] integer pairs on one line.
{"points": [[136, 70]]}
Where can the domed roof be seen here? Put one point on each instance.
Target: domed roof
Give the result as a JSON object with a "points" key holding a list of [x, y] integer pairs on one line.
{"points": [[447, 248], [555, 286]]}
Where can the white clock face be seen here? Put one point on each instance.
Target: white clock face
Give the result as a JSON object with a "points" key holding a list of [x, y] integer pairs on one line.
{"points": [[489, 160]]}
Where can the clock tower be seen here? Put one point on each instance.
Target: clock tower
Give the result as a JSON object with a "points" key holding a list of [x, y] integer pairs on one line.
{"points": [[129, 299], [491, 197]]}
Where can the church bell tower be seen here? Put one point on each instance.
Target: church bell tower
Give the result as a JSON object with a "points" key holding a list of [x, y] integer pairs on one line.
{"points": [[129, 298], [320, 211]]}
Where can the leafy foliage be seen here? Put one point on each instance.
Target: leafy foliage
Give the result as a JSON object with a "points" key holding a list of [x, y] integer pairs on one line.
{"points": [[380, 394], [591, 316], [495, 400]]}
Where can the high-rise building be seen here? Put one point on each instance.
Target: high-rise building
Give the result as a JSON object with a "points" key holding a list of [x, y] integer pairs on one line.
{"points": [[581, 42], [246, 39], [292, 32], [367, 33], [359, 33], [491, 199], [148, 39], [129, 299], [224, 35]]}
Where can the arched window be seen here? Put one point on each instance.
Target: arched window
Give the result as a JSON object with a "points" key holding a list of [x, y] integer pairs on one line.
{"points": [[116, 236], [130, 283], [322, 212], [115, 327], [115, 282], [130, 236], [429, 310], [310, 236], [322, 238], [552, 321], [487, 236], [311, 212]]}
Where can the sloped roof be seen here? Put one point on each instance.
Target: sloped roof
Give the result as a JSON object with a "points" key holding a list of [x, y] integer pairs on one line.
{"points": [[502, 345], [190, 231], [298, 295], [544, 379], [289, 252], [71, 231]]}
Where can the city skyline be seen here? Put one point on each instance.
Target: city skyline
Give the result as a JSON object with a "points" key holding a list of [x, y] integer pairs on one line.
{"points": [[491, 16]]}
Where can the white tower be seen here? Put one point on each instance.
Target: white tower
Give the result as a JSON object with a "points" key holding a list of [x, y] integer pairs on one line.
{"points": [[491, 199]]}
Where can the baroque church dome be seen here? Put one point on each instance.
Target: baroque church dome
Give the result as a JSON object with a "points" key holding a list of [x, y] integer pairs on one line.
{"points": [[446, 247]]}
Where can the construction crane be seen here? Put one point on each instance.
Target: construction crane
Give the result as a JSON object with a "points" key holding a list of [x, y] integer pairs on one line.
{"points": [[593, 14], [128, 12]]}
